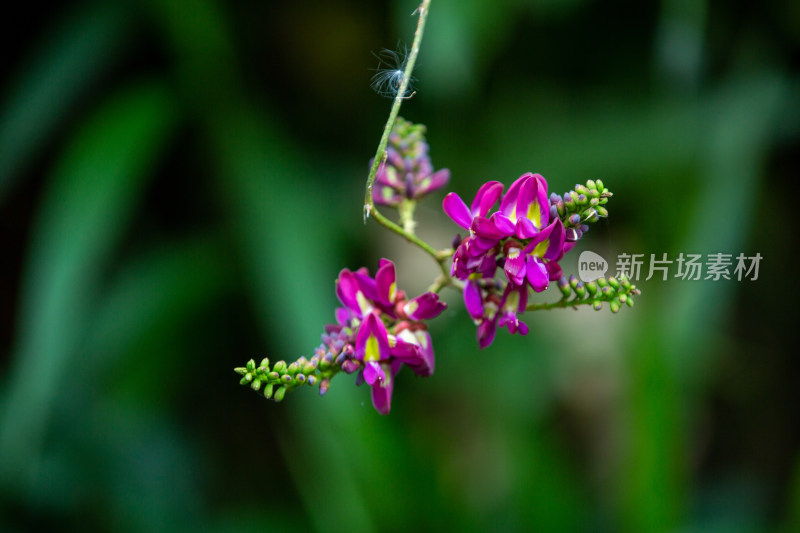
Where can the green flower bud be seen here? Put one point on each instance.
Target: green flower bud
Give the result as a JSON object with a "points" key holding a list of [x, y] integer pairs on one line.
{"points": [[244, 380], [580, 189], [601, 282], [279, 394], [309, 368], [251, 366], [256, 384], [591, 185], [597, 305], [591, 286], [280, 367], [589, 215], [580, 290], [300, 378], [293, 369], [600, 186], [286, 378], [268, 391], [614, 304], [602, 211], [613, 282], [264, 362], [312, 380], [274, 376], [240, 370], [563, 286]]}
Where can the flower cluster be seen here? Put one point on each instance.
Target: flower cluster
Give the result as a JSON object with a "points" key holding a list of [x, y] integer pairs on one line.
{"points": [[407, 173], [527, 236], [378, 330]]}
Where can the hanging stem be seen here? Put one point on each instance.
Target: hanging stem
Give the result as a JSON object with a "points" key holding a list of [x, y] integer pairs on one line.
{"points": [[380, 155]]}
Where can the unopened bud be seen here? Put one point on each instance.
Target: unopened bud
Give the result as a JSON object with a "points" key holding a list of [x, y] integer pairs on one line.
{"points": [[580, 290], [563, 286], [597, 305], [324, 385], [614, 304], [280, 367], [279, 394], [591, 286], [256, 384], [268, 391], [251, 366]]}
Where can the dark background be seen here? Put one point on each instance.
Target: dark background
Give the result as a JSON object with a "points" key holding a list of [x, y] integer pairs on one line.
{"points": [[181, 181]]}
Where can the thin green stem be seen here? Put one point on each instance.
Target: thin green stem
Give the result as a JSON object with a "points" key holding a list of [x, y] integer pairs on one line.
{"points": [[561, 304], [380, 154]]}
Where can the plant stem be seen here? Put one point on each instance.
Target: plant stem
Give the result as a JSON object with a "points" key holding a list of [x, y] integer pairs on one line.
{"points": [[380, 155]]}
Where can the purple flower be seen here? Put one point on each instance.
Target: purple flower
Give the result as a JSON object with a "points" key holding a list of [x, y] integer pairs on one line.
{"points": [[525, 237], [379, 330], [407, 172]]}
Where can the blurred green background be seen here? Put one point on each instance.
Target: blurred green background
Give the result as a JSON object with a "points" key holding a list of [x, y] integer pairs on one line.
{"points": [[181, 181]]}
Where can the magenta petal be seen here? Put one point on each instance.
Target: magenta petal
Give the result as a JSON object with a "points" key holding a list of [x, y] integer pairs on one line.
{"points": [[515, 266], [537, 273], [342, 316], [424, 307], [542, 200], [483, 227], [525, 229], [488, 266], [473, 299], [435, 181], [347, 290], [382, 392], [457, 210], [372, 342], [486, 332], [373, 373], [503, 225], [509, 204], [557, 236], [426, 350], [385, 286], [414, 348], [554, 271], [486, 197]]}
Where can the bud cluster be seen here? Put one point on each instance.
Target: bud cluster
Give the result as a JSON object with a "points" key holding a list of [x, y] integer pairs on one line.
{"points": [[407, 173], [615, 292]]}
